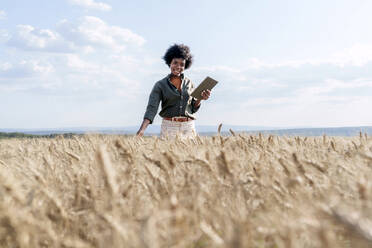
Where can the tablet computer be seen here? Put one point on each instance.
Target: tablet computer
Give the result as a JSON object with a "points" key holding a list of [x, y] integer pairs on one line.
{"points": [[207, 84]]}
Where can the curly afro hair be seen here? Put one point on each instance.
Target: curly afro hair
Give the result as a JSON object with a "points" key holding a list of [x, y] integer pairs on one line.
{"points": [[178, 51]]}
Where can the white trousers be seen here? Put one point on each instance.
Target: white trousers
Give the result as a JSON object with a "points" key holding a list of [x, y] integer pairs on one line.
{"points": [[172, 129]]}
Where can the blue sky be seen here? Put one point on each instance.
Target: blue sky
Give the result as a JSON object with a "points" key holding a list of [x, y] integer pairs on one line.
{"points": [[72, 63]]}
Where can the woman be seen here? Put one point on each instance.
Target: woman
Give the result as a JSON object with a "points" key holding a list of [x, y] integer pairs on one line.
{"points": [[178, 108]]}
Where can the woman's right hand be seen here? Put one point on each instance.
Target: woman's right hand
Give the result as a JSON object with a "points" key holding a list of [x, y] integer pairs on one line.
{"points": [[140, 133], [143, 127]]}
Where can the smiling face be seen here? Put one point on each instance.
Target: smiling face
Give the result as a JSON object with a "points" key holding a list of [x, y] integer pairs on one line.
{"points": [[177, 66]]}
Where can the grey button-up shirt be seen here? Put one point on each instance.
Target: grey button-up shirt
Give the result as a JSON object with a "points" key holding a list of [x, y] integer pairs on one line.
{"points": [[173, 102]]}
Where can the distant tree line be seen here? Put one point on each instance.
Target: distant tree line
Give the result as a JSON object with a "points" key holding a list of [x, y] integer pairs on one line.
{"points": [[24, 135], [18, 135]]}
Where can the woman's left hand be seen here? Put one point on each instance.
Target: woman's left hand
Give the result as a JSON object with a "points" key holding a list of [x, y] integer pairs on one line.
{"points": [[206, 94]]}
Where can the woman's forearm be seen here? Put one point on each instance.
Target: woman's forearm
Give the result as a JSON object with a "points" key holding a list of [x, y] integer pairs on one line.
{"points": [[143, 127], [197, 103]]}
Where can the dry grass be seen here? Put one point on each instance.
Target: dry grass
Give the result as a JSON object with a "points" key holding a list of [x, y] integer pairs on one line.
{"points": [[237, 191]]}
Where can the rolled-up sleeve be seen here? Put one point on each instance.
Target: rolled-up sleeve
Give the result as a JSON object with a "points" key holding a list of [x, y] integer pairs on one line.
{"points": [[194, 108], [153, 105]]}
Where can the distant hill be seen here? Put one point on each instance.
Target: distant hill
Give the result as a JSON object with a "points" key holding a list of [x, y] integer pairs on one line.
{"points": [[202, 130], [329, 131]]}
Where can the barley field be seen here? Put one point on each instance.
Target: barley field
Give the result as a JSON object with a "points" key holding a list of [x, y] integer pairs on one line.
{"points": [[234, 191]]}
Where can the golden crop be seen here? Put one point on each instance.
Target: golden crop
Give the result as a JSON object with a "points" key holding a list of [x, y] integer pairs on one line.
{"points": [[236, 191]]}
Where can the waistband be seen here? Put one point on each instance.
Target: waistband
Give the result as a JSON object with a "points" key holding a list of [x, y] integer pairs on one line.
{"points": [[178, 119]]}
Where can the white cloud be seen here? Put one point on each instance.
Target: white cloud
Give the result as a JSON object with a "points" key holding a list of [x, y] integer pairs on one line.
{"points": [[330, 85], [77, 59], [91, 4], [76, 75], [303, 92], [24, 69], [321, 97], [356, 55], [96, 75], [267, 101], [4, 35], [87, 35], [33, 39], [2, 14], [215, 68], [95, 32], [350, 70]]}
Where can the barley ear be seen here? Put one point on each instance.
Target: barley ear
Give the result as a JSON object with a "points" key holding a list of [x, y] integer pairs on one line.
{"points": [[219, 129]]}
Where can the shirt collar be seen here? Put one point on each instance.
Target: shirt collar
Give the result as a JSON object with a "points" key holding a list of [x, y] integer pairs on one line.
{"points": [[170, 74]]}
